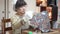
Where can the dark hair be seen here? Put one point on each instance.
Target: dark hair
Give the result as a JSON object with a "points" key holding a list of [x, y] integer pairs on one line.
{"points": [[20, 3]]}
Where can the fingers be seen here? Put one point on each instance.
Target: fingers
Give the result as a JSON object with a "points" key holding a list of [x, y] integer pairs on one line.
{"points": [[22, 22]]}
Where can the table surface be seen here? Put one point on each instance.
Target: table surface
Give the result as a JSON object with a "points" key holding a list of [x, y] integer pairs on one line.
{"points": [[39, 32]]}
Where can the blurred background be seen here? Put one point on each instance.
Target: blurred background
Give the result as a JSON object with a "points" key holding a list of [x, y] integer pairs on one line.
{"points": [[7, 10]]}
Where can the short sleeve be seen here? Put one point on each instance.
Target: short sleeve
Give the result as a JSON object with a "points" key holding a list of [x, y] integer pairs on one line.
{"points": [[15, 22]]}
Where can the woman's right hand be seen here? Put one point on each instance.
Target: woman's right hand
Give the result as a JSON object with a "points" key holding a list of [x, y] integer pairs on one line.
{"points": [[22, 22]]}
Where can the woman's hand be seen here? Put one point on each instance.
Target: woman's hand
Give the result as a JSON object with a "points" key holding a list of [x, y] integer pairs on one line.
{"points": [[22, 22]]}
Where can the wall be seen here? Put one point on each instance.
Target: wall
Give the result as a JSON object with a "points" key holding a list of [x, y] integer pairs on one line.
{"points": [[11, 11], [1, 10]]}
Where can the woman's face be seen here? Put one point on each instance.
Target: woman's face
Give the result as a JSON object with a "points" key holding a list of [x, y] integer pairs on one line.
{"points": [[21, 10]]}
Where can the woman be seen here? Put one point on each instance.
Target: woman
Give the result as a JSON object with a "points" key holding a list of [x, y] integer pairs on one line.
{"points": [[20, 19]]}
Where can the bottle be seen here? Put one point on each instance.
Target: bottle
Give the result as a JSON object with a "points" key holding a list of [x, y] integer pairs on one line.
{"points": [[30, 32]]}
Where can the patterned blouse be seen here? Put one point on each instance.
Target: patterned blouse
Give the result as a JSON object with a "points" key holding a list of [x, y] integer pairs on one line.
{"points": [[41, 21]]}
